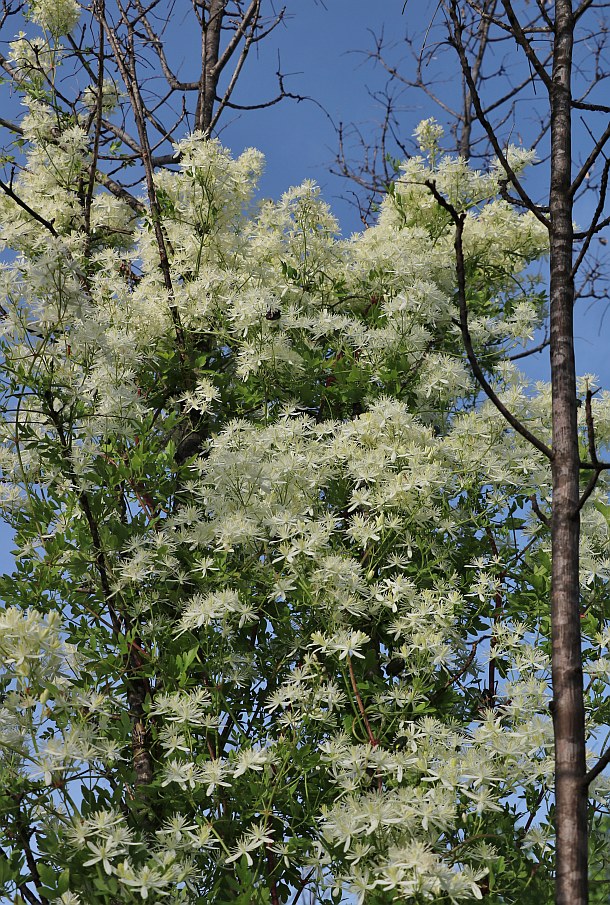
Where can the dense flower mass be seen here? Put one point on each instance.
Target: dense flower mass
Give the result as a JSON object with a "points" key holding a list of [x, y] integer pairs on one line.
{"points": [[279, 613], [59, 17]]}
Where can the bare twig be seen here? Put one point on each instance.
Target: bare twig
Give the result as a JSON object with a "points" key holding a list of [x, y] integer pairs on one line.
{"points": [[458, 44], [599, 767], [48, 224], [459, 220], [371, 736], [533, 351], [536, 508]]}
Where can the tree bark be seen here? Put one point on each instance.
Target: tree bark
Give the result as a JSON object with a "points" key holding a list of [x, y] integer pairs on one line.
{"points": [[210, 73], [568, 702]]}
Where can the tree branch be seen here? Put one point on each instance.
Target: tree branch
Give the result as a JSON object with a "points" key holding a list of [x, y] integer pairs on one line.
{"points": [[455, 38], [597, 150], [458, 220], [539, 348], [603, 189], [599, 767], [541, 515], [7, 189], [525, 45]]}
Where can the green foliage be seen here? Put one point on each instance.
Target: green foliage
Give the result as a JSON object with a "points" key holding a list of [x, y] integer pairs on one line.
{"points": [[279, 613]]}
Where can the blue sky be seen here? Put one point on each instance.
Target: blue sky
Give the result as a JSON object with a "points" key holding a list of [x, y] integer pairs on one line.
{"points": [[321, 49]]}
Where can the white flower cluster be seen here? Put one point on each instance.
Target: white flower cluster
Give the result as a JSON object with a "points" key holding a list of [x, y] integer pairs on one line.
{"points": [[59, 17], [110, 96], [329, 613], [105, 838]]}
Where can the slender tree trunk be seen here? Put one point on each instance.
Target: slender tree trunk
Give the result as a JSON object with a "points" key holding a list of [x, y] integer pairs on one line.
{"points": [[568, 701], [210, 73]]}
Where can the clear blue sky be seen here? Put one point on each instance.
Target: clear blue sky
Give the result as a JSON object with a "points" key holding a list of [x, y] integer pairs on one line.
{"points": [[320, 49]]}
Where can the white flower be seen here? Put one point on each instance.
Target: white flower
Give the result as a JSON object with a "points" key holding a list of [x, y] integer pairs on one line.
{"points": [[346, 644], [202, 610], [59, 17], [144, 880], [428, 134], [201, 398], [185, 773], [253, 759], [213, 772], [257, 836], [103, 852], [189, 708], [171, 740]]}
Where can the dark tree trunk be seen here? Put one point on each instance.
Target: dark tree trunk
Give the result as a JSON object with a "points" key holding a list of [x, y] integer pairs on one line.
{"points": [[210, 72], [568, 701]]}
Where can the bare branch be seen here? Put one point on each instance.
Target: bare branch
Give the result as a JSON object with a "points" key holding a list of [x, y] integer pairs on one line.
{"points": [[224, 101], [599, 767], [12, 127], [250, 16], [208, 80], [536, 508], [601, 202], [98, 124], [48, 224], [585, 168], [582, 9], [457, 42], [539, 348], [525, 45], [593, 108], [459, 220], [594, 465], [126, 65]]}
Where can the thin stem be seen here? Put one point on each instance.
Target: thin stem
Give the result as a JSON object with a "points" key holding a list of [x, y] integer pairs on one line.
{"points": [[459, 220], [371, 736]]}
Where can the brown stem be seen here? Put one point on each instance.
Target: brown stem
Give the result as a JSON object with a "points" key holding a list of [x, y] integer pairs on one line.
{"points": [[460, 266], [137, 688], [571, 883], [127, 68], [539, 348], [525, 44], [98, 127], [365, 720], [305, 880], [598, 768], [541, 516], [273, 893], [491, 678], [534, 811], [8, 190], [25, 833], [457, 41], [454, 677], [210, 48], [591, 425]]}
